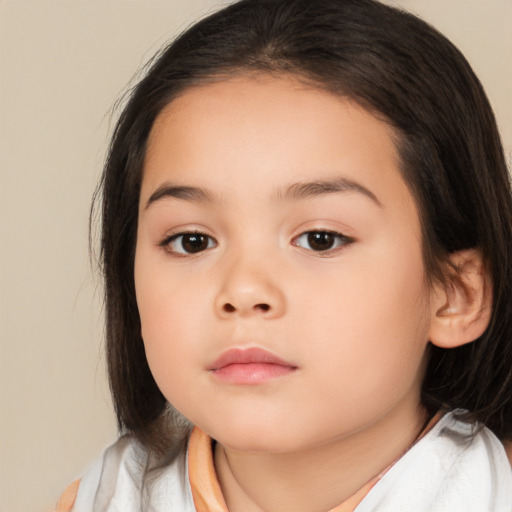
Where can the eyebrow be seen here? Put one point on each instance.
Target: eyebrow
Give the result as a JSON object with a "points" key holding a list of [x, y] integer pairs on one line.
{"points": [[295, 192], [186, 193], [305, 190]]}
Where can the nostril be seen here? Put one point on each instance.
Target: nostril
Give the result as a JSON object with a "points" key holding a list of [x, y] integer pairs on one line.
{"points": [[229, 308], [262, 307]]}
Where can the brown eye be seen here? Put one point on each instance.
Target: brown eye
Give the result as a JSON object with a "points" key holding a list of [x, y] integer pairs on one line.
{"points": [[189, 243], [321, 241]]}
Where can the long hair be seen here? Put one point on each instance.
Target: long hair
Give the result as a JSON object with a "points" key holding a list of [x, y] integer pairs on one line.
{"points": [[403, 71]]}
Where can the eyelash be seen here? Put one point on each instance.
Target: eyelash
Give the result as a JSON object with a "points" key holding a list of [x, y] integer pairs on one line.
{"points": [[168, 242], [322, 236]]}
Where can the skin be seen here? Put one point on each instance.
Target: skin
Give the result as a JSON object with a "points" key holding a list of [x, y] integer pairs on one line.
{"points": [[353, 321]]}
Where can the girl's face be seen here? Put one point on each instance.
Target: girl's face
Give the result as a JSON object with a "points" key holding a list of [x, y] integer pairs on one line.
{"points": [[278, 268]]}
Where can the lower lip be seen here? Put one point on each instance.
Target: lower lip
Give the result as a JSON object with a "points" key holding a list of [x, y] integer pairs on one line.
{"points": [[251, 373]]}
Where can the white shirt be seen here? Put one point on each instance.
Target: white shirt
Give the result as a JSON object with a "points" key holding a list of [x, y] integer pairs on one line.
{"points": [[454, 467]]}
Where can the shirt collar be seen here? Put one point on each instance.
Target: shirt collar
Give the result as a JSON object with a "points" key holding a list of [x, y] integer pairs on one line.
{"points": [[205, 486]]}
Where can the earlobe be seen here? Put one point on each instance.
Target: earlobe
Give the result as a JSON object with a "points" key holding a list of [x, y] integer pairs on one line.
{"points": [[461, 307]]}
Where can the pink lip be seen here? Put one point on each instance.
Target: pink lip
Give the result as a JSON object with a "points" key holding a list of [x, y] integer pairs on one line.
{"points": [[249, 366]]}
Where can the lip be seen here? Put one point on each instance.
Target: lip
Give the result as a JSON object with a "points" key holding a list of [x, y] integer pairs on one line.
{"points": [[249, 366]]}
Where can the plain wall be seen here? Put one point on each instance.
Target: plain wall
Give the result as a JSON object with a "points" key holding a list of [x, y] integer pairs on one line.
{"points": [[63, 64]]}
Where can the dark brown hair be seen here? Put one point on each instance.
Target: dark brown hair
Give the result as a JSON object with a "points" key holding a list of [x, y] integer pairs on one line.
{"points": [[400, 69]]}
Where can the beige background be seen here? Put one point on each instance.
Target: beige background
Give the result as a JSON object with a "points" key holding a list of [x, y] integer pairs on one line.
{"points": [[62, 66]]}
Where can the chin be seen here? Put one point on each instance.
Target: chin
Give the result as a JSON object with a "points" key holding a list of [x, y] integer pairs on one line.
{"points": [[259, 438]]}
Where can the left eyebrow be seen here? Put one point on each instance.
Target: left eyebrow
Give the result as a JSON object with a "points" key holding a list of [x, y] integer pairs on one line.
{"points": [[305, 190]]}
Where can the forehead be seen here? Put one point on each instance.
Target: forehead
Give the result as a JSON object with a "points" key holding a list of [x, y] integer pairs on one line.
{"points": [[257, 134]]}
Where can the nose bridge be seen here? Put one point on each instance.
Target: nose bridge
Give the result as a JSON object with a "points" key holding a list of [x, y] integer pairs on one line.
{"points": [[250, 284]]}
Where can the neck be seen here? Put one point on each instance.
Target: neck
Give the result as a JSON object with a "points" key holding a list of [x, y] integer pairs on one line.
{"points": [[318, 478]]}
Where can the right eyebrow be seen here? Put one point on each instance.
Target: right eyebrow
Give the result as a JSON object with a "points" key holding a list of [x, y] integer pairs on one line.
{"points": [[183, 192]]}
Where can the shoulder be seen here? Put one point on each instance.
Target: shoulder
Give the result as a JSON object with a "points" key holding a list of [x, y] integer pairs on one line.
{"points": [[456, 466], [124, 477]]}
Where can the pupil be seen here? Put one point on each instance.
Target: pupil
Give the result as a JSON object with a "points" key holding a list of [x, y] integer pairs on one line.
{"points": [[320, 241], [194, 243]]}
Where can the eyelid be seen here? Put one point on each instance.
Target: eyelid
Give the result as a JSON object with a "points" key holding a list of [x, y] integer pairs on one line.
{"points": [[342, 241], [171, 237]]}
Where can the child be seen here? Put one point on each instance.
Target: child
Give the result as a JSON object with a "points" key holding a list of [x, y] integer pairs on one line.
{"points": [[307, 250]]}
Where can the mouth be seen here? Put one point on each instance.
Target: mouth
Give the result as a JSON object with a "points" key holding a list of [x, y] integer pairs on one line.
{"points": [[250, 366]]}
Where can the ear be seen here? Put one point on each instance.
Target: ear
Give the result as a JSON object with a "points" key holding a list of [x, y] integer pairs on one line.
{"points": [[461, 307]]}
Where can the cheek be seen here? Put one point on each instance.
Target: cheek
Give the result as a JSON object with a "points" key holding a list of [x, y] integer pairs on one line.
{"points": [[373, 323], [175, 312], [160, 310], [167, 340], [162, 300], [168, 318]]}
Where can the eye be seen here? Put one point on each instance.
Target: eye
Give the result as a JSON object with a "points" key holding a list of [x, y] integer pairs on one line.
{"points": [[321, 241], [188, 243]]}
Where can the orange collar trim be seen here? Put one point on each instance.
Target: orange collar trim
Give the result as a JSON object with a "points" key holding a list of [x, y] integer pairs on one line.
{"points": [[201, 473]]}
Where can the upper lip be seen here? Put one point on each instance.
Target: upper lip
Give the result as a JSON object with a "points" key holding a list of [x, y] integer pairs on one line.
{"points": [[247, 356]]}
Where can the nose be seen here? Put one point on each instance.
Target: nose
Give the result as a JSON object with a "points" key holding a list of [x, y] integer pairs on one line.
{"points": [[250, 290]]}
